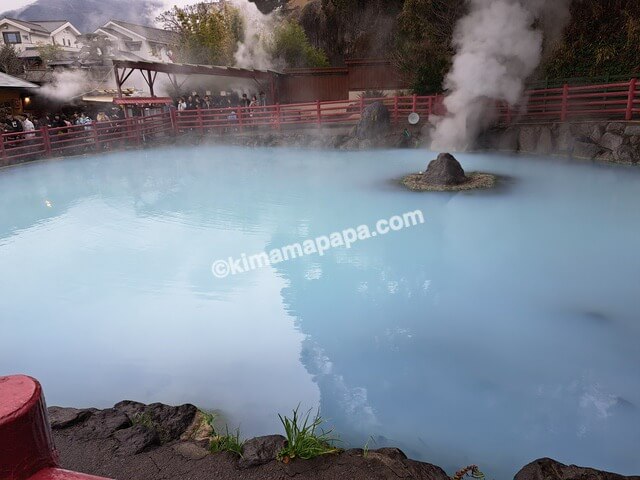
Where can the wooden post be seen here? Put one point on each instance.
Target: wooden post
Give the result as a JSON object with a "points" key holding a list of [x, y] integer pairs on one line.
{"points": [[319, 112], [565, 102], [632, 96]]}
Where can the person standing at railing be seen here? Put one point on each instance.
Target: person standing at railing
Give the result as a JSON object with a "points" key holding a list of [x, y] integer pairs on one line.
{"points": [[182, 104], [28, 126]]}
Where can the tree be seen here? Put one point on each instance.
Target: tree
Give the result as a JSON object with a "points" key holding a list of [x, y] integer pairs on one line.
{"points": [[424, 48], [291, 47], [10, 63], [49, 53], [96, 48], [209, 32]]}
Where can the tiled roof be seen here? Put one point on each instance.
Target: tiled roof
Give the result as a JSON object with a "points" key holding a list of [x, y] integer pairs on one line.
{"points": [[116, 33], [50, 25], [7, 81], [28, 25], [152, 34]]}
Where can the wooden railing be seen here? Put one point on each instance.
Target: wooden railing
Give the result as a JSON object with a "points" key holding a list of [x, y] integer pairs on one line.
{"points": [[611, 101]]}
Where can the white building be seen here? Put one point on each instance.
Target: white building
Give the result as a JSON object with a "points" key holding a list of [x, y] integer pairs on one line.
{"points": [[146, 43], [27, 36]]}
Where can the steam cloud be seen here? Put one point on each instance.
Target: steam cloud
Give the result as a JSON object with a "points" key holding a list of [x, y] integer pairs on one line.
{"points": [[252, 52], [499, 44]]}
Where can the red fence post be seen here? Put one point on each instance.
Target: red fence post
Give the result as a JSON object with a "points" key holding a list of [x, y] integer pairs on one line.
{"points": [[319, 112], [46, 140], [632, 96], [430, 106], [240, 119], [200, 123], [278, 125], [414, 105], [565, 102], [94, 128], [395, 109], [3, 153], [174, 120]]}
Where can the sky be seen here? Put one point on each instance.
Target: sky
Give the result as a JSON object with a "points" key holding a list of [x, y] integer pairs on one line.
{"points": [[13, 4]]}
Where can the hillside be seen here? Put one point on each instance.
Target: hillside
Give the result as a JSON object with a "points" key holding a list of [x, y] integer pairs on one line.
{"points": [[87, 15]]}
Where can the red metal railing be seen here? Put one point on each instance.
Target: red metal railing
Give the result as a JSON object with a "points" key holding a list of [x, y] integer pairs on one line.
{"points": [[612, 101]]}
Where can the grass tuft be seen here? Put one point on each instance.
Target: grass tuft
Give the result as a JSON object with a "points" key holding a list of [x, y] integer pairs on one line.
{"points": [[471, 471], [229, 442], [305, 439]]}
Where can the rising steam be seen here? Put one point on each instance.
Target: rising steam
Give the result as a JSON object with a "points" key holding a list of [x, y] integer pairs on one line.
{"points": [[499, 44]]}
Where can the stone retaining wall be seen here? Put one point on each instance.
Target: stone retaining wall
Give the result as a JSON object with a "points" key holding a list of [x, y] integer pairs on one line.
{"points": [[604, 141]]}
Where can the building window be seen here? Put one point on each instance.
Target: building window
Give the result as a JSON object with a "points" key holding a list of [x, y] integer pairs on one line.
{"points": [[11, 37]]}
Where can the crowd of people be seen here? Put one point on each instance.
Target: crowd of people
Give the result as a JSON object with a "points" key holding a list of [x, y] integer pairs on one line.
{"points": [[208, 102]]}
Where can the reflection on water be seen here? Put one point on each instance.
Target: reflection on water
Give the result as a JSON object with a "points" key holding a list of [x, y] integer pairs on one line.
{"points": [[503, 329]]}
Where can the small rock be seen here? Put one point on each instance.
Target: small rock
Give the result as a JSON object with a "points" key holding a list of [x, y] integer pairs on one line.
{"points": [[135, 440], [548, 469], [261, 450], [611, 141], [191, 451], [61, 418], [445, 170]]}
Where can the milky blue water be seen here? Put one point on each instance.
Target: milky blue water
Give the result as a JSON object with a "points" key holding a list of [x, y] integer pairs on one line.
{"points": [[503, 329]]}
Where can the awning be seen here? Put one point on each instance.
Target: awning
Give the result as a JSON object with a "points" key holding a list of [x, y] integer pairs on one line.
{"points": [[143, 101], [7, 81]]}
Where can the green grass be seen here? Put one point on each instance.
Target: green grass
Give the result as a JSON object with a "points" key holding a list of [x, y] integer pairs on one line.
{"points": [[305, 438], [143, 419], [229, 442]]}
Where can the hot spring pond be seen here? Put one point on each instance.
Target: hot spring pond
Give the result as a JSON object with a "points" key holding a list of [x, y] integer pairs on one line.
{"points": [[503, 329]]}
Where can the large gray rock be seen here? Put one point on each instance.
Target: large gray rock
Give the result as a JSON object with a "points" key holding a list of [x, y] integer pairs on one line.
{"points": [[565, 139], [374, 123], [616, 127], [528, 139], [626, 154], [261, 450], [61, 418], [445, 170], [548, 469], [585, 150], [611, 141], [545, 141], [170, 422], [135, 440], [632, 130], [104, 423]]}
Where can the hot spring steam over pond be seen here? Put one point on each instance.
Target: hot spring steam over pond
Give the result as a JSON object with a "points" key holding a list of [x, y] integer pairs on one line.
{"points": [[504, 329]]}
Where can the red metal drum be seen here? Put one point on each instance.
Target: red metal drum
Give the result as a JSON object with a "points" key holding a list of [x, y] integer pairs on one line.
{"points": [[26, 446]]}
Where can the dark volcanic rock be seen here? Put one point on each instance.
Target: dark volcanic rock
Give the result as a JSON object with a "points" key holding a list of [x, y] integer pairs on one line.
{"points": [[135, 440], [445, 170], [548, 469], [60, 417], [170, 422], [103, 424], [261, 450], [375, 122]]}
